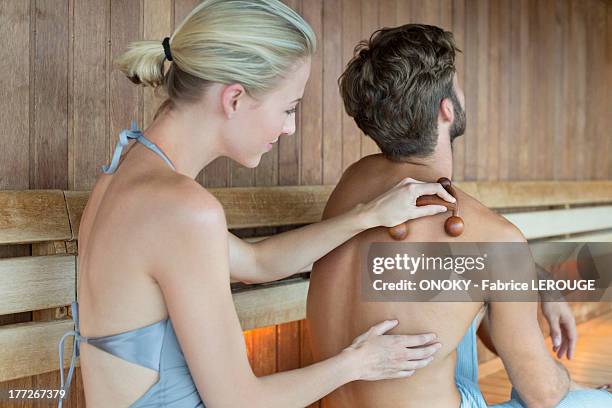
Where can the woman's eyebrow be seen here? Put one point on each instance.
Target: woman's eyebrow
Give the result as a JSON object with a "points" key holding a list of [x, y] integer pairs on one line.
{"points": [[296, 100]]}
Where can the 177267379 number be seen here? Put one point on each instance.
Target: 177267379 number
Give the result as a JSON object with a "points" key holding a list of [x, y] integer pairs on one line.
{"points": [[9, 394]]}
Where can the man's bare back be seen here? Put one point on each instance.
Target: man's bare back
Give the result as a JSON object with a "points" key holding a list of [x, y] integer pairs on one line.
{"points": [[336, 313]]}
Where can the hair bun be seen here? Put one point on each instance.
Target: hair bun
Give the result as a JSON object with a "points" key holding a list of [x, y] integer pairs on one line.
{"points": [[135, 79]]}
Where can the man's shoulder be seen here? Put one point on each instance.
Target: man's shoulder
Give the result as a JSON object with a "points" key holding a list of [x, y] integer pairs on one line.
{"points": [[359, 183], [371, 176], [491, 222]]}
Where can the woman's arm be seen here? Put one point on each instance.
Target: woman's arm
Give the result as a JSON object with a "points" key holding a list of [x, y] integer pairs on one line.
{"points": [[287, 253], [194, 280]]}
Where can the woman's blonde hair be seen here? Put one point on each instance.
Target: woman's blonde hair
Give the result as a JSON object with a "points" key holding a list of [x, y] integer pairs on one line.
{"points": [[251, 42]]}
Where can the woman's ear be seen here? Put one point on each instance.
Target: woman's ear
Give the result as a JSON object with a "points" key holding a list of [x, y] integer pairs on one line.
{"points": [[231, 98], [447, 113]]}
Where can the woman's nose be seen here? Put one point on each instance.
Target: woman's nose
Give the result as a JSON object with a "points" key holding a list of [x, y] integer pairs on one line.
{"points": [[289, 127]]}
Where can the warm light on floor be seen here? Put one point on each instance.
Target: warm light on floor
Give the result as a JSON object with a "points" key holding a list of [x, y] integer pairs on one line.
{"points": [[591, 365]]}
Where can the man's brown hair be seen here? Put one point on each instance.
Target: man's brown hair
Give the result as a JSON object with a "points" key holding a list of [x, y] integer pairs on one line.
{"points": [[394, 84]]}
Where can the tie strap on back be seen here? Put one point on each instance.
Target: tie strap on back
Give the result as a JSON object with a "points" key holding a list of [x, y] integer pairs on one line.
{"points": [[75, 353]]}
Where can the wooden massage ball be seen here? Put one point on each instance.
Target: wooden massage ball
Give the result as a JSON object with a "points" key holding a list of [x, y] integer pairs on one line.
{"points": [[445, 182], [454, 224]]}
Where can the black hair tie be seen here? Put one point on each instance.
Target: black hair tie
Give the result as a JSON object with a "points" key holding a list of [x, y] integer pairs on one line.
{"points": [[166, 44]]}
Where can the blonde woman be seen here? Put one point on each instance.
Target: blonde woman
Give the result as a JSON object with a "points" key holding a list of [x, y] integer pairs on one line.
{"points": [[155, 324]]}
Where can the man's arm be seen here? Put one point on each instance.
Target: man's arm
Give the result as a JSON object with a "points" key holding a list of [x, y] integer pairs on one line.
{"points": [[559, 316], [540, 381], [538, 378]]}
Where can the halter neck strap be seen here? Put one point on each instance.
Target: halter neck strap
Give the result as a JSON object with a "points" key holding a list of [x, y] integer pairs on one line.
{"points": [[124, 139]]}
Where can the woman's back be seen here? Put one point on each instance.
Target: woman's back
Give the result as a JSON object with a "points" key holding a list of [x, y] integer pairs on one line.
{"points": [[118, 247]]}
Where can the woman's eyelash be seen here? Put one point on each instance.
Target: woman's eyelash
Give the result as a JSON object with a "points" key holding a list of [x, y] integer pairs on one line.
{"points": [[291, 111]]}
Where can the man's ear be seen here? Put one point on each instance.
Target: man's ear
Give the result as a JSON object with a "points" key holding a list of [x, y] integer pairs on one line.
{"points": [[231, 98], [447, 112]]}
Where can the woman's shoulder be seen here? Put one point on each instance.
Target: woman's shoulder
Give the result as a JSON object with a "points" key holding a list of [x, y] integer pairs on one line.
{"points": [[184, 197], [176, 212], [187, 219], [190, 233]]}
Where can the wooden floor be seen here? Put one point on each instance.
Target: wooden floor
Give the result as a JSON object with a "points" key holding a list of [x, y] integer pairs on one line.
{"points": [[591, 365]]}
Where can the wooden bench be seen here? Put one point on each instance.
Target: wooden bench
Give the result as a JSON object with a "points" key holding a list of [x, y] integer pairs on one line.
{"points": [[46, 282]]}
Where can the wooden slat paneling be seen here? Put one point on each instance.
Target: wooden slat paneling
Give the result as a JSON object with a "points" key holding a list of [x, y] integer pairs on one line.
{"points": [[273, 305], [124, 96], [598, 100], [493, 134], [505, 90], [289, 147], [36, 282], [578, 37], [605, 236], [17, 27], [49, 129], [33, 348], [90, 93], [541, 224], [332, 102], [244, 207], [271, 205], [459, 32], [608, 82], [75, 204], [50, 380], [15, 108], [77, 102], [312, 103], [21, 220], [538, 193]]}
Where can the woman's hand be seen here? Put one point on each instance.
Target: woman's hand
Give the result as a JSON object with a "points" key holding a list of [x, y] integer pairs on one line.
{"points": [[381, 356], [399, 203]]}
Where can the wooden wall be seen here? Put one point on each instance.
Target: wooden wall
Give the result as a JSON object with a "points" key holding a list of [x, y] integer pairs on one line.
{"points": [[537, 75]]}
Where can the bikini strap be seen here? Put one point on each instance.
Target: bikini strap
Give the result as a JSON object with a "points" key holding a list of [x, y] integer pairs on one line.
{"points": [[75, 352], [124, 136]]}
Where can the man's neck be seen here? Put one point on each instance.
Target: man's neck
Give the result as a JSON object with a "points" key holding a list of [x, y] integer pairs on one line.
{"points": [[438, 164]]}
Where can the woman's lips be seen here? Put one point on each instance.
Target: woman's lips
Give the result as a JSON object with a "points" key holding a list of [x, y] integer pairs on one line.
{"points": [[270, 145]]}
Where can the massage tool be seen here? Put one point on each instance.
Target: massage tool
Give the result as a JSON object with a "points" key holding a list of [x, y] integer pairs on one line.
{"points": [[453, 225]]}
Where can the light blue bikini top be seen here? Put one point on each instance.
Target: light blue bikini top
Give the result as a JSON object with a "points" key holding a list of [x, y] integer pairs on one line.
{"points": [[154, 346]]}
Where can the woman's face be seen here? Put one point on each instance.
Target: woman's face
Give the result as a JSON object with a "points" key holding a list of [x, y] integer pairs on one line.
{"points": [[255, 125]]}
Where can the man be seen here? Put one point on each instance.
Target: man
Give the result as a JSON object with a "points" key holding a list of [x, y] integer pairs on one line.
{"points": [[402, 90]]}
